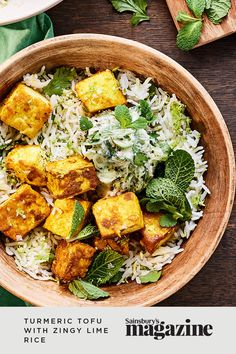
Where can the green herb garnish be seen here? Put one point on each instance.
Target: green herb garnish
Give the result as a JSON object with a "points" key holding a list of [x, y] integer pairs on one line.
{"points": [[151, 277], [196, 6], [87, 291], [85, 123], [122, 114], [165, 195], [146, 111], [180, 168], [217, 10], [77, 218], [137, 7], [189, 35], [61, 80], [105, 266], [87, 232], [140, 159], [167, 220]]}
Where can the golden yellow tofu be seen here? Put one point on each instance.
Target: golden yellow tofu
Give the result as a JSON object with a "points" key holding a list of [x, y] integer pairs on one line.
{"points": [[72, 260], [153, 235], [121, 246], [59, 221], [120, 215], [22, 212], [25, 110], [70, 177], [28, 164], [100, 91]]}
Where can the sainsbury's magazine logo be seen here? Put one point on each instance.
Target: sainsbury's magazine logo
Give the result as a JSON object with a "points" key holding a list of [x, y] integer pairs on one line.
{"points": [[159, 329]]}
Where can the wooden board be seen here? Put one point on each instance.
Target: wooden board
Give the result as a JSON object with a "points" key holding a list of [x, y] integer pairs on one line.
{"points": [[211, 32]]}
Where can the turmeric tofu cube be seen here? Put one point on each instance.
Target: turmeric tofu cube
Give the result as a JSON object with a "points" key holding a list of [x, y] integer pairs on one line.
{"points": [[121, 246], [120, 215], [153, 234], [25, 110], [100, 91], [22, 212], [28, 164], [70, 177], [72, 260], [60, 220]]}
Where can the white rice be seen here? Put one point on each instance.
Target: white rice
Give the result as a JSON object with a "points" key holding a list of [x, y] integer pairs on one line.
{"points": [[61, 137]]}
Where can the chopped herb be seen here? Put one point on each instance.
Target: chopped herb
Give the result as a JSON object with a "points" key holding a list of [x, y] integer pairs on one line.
{"points": [[87, 291], [61, 80], [140, 159], [85, 124], [151, 277], [146, 111], [137, 7]]}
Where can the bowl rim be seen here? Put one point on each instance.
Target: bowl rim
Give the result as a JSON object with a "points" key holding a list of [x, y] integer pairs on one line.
{"points": [[218, 117]]}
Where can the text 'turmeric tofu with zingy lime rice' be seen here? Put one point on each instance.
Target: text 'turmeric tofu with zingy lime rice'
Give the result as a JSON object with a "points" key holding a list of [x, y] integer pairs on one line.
{"points": [[69, 177], [25, 110], [119, 215]]}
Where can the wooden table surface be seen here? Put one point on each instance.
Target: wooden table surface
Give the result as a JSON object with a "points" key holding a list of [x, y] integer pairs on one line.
{"points": [[214, 65]]}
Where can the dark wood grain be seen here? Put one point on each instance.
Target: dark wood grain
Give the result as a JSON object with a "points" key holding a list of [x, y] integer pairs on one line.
{"points": [[214, 66]]}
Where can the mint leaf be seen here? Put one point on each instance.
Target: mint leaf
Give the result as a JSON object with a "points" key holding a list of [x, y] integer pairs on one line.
{"points": [[217, 10], [196, 6], [167, 220], [87, 291], [122, 114], [137, 7], [138, 17], [145, 111], [165, 195], [139, 123], [208, 4], [180, 168], [140, 159], [77, 218], [85, 124], [87, 232], [151, 277], [117, 277], [61, 80], [185, 18], [104, 267], [189, 35]]}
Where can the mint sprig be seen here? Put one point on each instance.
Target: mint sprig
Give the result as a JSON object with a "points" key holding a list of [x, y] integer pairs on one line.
{"points": [[105, 266], [217, 10], [196, 6], [190, 34], [87, 291], [137, 7]]}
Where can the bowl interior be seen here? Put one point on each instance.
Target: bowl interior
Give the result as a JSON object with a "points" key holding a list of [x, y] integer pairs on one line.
{"points": [[109, 52]]}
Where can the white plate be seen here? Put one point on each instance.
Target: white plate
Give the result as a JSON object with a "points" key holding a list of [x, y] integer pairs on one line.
{"points": [[17, 10]]}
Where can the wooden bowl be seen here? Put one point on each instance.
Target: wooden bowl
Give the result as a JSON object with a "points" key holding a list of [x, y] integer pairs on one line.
{"points": [[102, 51]]}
